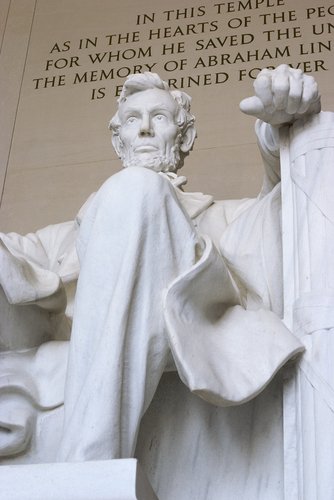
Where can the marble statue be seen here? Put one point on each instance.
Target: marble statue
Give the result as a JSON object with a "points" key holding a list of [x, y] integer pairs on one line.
{"points": [[168, 280], [146, 265]]}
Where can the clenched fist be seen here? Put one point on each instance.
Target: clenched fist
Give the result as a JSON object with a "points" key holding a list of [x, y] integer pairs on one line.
{"points": [[282, 96]]}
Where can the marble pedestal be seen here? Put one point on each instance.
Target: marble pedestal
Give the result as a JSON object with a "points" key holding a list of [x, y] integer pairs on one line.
{"points": [[100, 480]]}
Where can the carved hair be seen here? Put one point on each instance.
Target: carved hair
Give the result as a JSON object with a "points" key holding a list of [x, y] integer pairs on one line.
{"points": [[144, 81]]}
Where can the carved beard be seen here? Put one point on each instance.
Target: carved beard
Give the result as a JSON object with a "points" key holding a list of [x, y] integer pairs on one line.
{"points": [[156, 162]]}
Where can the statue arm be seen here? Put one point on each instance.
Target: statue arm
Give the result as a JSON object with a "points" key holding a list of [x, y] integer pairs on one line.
{"points": [[268, 142], [28, 246], [31, 265], [282, 96]]}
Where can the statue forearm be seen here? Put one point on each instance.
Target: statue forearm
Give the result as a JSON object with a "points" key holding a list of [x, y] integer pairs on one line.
{"points": [[268, 141]]}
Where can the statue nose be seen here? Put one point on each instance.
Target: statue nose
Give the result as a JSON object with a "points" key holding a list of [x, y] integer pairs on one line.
{"points": [[146, 126]]}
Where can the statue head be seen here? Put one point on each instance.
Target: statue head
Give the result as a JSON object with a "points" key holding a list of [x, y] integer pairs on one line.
{"points": [[153, 126]]}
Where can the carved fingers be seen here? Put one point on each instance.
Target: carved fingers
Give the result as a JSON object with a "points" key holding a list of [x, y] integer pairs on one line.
{"points": [[282, 95], [310, 100]]}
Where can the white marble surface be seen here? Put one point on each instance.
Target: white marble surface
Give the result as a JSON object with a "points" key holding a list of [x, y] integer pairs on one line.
{"points": [[186, 437], [308, 242], [106, 480], [206, 452], [230, 451]]}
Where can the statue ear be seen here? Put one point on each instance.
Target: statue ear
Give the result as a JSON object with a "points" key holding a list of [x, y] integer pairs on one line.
{"points": [[117, 144], [188, 139]]}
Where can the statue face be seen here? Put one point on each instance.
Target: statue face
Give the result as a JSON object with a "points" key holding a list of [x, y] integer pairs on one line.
{"points": [[149, 136]]}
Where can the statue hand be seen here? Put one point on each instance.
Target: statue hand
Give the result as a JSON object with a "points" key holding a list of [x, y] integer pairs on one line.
{"points": [[282, 96]]}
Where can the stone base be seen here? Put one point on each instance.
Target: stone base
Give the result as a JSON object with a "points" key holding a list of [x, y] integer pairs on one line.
{"points": [[102, 480]]}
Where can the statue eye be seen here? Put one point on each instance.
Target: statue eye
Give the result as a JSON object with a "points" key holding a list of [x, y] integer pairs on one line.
{"points": [[160, 117], [131, 119]]}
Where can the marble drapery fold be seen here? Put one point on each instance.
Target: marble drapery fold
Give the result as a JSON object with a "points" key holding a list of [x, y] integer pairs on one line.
{"points": [[136, 240]]}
